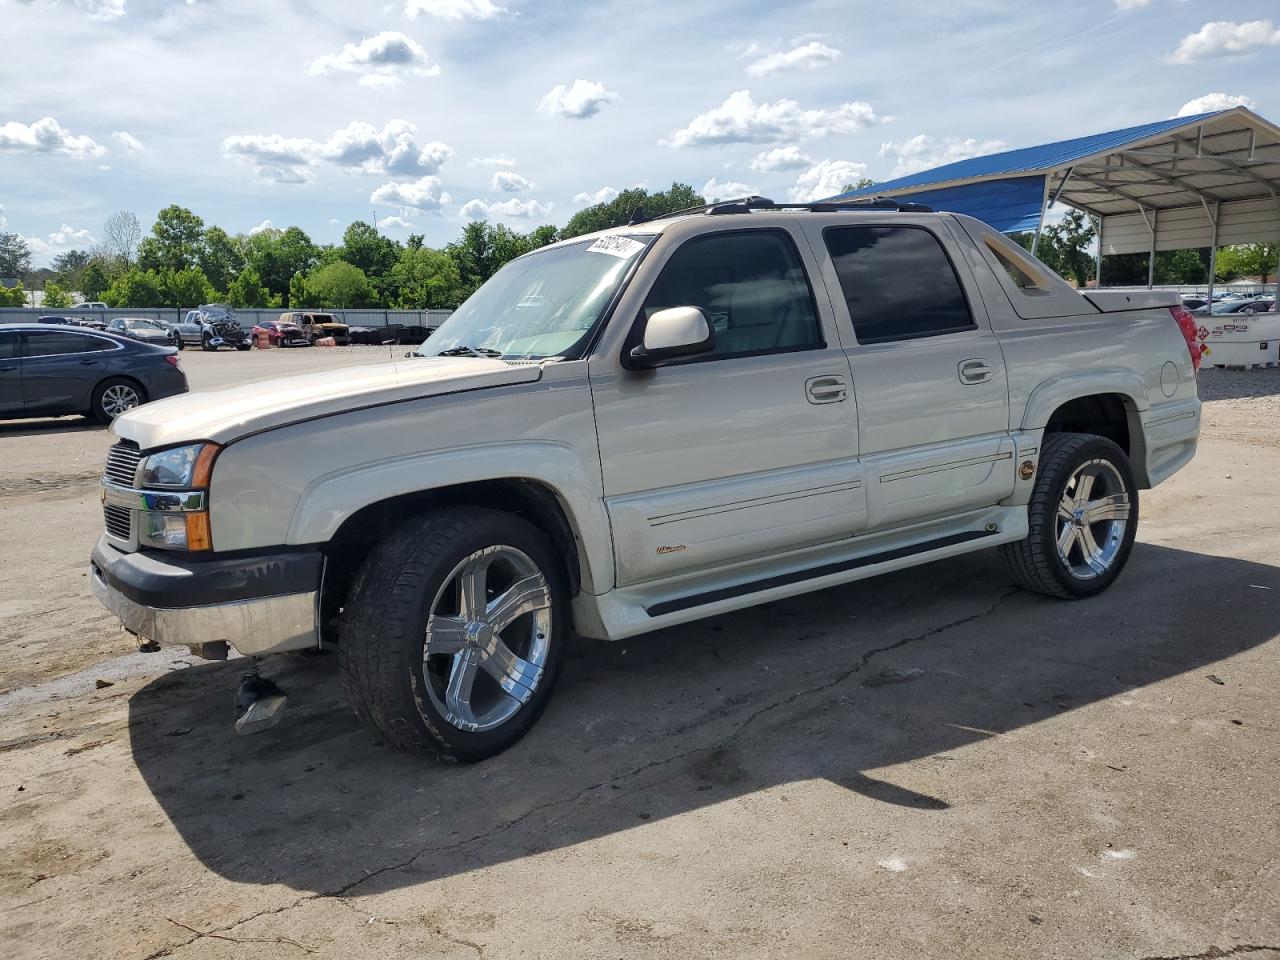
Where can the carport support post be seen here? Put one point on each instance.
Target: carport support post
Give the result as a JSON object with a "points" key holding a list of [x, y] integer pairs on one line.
{"points": [[1097, 256], [1213, 248], [1044, 207], [1151, 258]]}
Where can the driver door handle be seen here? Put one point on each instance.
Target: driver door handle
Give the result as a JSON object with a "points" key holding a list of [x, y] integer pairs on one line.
{"points": [[828, 389]]}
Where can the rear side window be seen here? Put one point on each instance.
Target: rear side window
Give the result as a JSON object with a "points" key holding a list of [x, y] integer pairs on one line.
{"points": [[898, 283], [750, 285], [50, 344], [94, 344], [8, 345]]}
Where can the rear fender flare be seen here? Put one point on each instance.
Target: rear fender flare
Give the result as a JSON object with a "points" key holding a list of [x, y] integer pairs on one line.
{"points": [[1052, 394]]}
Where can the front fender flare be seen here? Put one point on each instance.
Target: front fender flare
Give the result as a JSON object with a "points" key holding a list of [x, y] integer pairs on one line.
{"points": [[331, 498]]}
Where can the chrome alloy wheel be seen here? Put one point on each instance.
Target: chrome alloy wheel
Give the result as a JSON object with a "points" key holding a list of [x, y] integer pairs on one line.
{"points": [[488, 638], [118, 398], [1093, 516]]}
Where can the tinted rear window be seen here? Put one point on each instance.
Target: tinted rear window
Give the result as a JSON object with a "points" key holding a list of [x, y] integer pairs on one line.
{"points": [[898, 283], [42, 344]]}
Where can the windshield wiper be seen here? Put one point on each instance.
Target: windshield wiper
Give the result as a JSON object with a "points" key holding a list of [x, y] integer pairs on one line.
{"points": [[469, 352]]}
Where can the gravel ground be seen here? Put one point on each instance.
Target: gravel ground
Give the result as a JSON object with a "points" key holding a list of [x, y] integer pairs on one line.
{"points": [[929, 764]]}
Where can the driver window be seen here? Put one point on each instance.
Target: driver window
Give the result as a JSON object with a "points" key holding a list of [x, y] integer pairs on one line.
{"points": [[750, 285]]}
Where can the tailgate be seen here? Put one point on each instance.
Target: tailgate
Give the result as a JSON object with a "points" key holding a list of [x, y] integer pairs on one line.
{"points": [[1117, 301]]}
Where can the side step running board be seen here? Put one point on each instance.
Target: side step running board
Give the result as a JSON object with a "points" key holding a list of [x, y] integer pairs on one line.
{"points": [[811, 573]]}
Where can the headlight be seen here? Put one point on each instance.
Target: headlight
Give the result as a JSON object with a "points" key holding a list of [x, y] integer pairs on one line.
{"points": [[179, 520], [180, 467]]}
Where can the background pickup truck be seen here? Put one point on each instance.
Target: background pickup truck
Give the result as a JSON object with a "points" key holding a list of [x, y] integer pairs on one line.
{"points": [[643, 427]]}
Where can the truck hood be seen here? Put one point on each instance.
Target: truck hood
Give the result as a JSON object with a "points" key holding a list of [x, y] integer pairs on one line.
{"points": [[229, 413]]}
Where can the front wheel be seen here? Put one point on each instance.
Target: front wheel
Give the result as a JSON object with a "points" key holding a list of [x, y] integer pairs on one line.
{"points": [[454, 633], [1083, 516]]}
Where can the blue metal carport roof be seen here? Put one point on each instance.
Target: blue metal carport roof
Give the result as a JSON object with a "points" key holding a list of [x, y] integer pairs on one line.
{"points": [[1162, 174]]}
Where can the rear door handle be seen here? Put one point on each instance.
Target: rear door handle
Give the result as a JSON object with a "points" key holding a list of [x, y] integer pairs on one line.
{"points": [[89, 363], [828, 389], [976, 370]]}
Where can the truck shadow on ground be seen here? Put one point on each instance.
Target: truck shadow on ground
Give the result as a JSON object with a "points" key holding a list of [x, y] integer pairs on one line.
{"points": [[829, 685]]}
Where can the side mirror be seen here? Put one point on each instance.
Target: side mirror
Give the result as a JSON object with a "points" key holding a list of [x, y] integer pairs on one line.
{"points": [[670, 334]]}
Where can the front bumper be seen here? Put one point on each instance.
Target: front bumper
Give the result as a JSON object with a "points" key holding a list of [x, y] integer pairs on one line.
{"points": [[258, 604]]}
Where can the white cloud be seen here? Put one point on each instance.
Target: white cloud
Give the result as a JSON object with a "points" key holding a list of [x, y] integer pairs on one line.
{"points": [[741, 120], [3, 222], [264, 226], [603, 195], [395, 223], [780, 158], [509, 182], [47, 136], [513, 209], [582, 99], [1226, 38], [1215, 101], [275, 158], [454, 9], [715, 189], [922, 152], [393, 149], [825, 179], [357, 148], [808, 56], [497, 160], [422, 194], [383, 60], [104, 10], [130, 143], [1126, 5], [65, 238]]}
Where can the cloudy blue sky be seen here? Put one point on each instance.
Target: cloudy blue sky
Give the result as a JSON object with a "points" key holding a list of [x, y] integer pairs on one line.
{"points": [[433, 112]]}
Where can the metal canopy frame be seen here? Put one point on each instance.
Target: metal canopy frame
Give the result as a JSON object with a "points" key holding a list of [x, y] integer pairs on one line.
{"points": [[1171, 188]]}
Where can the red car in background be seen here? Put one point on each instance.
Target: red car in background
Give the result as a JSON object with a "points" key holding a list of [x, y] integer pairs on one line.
{"points": [[278, 333]]}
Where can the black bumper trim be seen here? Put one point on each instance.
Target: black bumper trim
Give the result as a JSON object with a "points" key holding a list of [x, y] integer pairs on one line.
{"points": [[178, 581]]}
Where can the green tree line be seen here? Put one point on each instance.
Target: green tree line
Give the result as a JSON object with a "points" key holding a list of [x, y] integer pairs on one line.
{"points": [[184, 262]]}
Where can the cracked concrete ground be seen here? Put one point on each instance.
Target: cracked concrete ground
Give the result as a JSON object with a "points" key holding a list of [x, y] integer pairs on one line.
{"points": [[930, 764]]}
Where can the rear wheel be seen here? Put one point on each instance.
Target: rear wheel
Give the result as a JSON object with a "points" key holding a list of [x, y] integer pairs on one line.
{"points": [[454, 633], [1083, 516], [114, 397]]}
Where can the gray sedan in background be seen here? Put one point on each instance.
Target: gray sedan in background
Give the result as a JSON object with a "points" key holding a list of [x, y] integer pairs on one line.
{"points": [[48, 371], [146, 330]]}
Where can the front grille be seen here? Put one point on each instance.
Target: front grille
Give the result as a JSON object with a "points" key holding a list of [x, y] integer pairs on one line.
{"points": [[118, 521], [122, 463]]}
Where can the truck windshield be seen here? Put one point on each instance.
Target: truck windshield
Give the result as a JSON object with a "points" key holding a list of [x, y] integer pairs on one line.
{"points": [[542, 305]]}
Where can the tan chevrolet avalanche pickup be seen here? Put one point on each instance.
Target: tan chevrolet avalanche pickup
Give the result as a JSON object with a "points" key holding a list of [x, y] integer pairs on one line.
{"points": [[635, 429]]}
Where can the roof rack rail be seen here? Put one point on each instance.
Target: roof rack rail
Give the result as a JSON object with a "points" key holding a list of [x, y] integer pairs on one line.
{"points": [[748, 204]]}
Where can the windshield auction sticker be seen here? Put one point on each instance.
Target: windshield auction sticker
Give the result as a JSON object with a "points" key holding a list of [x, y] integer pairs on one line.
{"points": [[623, 248]]}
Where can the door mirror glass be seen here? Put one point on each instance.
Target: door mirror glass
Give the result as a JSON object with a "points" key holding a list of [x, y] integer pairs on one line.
{"points": [[670, 334]]}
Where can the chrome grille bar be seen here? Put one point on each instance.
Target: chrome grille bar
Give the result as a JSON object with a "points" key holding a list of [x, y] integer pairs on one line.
{"points": [[122, 463]]}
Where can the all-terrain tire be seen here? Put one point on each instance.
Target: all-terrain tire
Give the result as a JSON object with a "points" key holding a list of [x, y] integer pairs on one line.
{"points": [[1035, 561], [384, 630]]}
